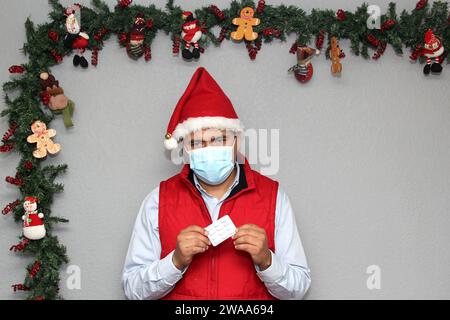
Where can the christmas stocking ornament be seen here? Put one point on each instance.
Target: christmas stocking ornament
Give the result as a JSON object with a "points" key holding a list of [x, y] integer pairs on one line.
{"points": [[33, 227], [191, 34], [75, 38]]}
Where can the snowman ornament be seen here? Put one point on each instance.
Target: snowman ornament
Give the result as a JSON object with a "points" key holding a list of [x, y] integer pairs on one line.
{"points": [[33, 227], [75, 38]]}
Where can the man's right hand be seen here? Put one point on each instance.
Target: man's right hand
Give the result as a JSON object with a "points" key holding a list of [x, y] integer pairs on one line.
{"points": [[190, 241]]}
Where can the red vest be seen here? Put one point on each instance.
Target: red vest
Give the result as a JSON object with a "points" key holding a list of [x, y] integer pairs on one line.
{"points": [[221, 272]]}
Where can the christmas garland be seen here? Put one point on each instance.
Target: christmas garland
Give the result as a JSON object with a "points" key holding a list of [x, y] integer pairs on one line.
{"points": [[135, 26]]}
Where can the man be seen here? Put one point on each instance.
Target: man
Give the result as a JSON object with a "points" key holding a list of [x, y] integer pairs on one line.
{"points": [[170, 255]]}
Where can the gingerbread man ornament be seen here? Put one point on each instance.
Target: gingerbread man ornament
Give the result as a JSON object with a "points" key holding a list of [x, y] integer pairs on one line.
{"points": [[42, 137], [245, 24]]}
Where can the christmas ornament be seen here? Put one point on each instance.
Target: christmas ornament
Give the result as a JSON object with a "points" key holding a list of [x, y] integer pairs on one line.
{"points": [[421, 4], [271, 32], [33, 227], [373, 40], [252, 50], [75, 38], [124, 3], [55, 98], [58, 58], [19, 287], [303, 70], [147, 53], [17, 181], [380, 51], [7, 147], [53, 35], [387, 25], [10, 206], [320, 39], [20, 246], [135, 46], [191, 33], [94, 56], [28, 165], [261, 6], [245, 24], [335, 54], [101, 34], [222, 34], [176, 45], [35, 269], [16, 69], [415, 54], [9, 133], [42, 137], [217, 12], [433, 50], [340, 15], [123, 37], [293, 49]]}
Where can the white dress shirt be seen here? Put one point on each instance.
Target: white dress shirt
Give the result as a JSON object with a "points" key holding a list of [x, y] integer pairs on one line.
{"points": [[146, 276]]}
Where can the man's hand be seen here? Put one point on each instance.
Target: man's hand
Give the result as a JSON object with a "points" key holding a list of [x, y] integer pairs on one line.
{"points": [[190, 241], [253, 239]]}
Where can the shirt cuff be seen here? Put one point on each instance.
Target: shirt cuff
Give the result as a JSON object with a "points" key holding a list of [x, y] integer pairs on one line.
{"points": [[168, 271], [274, 272]]}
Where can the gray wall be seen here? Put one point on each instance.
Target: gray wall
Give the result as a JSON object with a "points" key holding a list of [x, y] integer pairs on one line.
{"points": [[364, 158]]}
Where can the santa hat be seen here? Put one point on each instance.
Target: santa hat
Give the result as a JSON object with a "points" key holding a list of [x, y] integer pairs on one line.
{"points": [[203, 105], [32, 199], [139, 19], [432, 43], [186, 14]]}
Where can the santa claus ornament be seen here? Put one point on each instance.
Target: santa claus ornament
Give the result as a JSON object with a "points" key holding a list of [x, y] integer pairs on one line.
{"points": [[75, 38], [135, 46], [191, 34], [433, 50], [33, 227], [303, 70]]}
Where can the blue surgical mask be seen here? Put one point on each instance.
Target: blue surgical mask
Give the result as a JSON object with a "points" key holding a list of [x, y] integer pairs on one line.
{"points": [[212, 164]]}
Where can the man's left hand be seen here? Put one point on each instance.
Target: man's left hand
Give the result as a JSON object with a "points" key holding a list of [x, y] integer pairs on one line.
{"points": [[253, 239]]}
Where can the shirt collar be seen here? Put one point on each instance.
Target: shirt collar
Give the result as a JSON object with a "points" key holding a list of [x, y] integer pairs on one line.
{"points": [[234, 184]]}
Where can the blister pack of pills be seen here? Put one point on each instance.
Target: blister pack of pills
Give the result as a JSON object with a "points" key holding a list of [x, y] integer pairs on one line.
{"points": [[220, 230]]}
